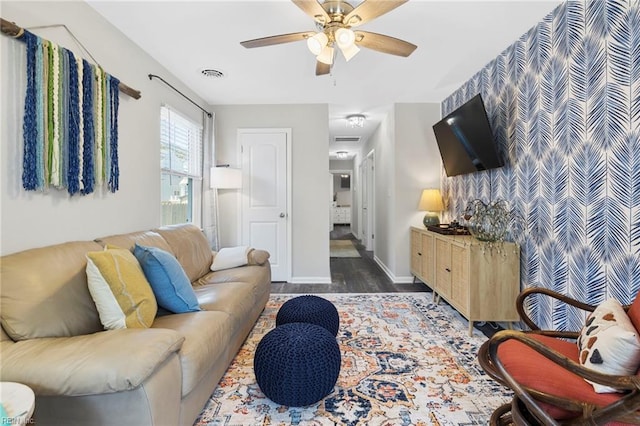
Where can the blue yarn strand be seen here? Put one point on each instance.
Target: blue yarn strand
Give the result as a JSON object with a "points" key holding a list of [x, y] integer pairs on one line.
{"points": [[73, 170], [63, 117], [30, 127], [114, 101], [39, 114], [88, 178]]}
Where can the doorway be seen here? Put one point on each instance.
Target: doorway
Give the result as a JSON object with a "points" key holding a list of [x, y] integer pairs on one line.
{"points": [[341, 199], [367, 179], [266, 195]]}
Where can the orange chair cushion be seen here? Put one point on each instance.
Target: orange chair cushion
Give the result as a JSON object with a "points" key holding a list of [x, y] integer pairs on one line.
{"points": [[634, 312], [535, 371]]}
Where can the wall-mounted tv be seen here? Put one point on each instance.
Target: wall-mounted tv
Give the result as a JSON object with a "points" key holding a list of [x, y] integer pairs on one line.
{"points": [[466, 141]]}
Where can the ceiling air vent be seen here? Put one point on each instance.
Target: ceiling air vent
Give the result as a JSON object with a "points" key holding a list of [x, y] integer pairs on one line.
{"points": [[210, 72], [347, 139]]}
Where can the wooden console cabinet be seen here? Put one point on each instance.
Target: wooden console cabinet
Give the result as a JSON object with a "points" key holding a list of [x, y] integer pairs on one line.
{"points": [[479, 282]]}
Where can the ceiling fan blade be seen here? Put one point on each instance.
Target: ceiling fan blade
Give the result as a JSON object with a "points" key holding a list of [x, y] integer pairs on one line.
{"points": [[385, 44], [313, 9], [370, 9], [277, 39], [322, 68]]}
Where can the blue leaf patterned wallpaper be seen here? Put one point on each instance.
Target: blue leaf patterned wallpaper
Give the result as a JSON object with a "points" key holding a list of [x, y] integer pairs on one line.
{"points": [[564, 103]]}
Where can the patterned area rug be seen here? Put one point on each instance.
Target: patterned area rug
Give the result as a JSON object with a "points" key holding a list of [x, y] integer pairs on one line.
{"points": [[342, 248], [405, 361]]}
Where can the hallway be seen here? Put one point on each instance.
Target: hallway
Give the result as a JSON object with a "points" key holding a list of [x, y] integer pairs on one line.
{"points": [[351, 274], [362, 275]]}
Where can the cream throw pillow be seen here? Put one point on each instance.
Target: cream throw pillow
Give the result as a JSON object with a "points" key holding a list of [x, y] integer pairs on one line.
{"points": [[230, 257], [121, 292], [609, 343]]}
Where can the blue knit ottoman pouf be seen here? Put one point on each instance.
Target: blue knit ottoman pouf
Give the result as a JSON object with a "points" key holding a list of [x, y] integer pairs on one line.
{"points": [[311, 309], [297, 364]]}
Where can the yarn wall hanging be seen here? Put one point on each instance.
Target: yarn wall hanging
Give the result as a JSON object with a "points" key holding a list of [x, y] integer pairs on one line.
{"points": [[70, 119]]}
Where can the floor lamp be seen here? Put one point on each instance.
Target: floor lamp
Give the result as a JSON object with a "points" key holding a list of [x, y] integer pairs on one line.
{"points": [[223, 177]]}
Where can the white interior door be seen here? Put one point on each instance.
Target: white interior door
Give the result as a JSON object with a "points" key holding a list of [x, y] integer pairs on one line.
{"points": [[265, 195], [369, 219], [331, 202]]}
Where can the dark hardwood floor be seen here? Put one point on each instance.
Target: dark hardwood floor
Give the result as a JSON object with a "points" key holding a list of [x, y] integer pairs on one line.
{"points": [[361, 275], [351, 274]]}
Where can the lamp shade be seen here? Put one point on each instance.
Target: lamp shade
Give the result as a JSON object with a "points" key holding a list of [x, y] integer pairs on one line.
{"points": [[326, 56], [431, 201], [349, 52], [225, 178], [345, 38], [317, 43]]}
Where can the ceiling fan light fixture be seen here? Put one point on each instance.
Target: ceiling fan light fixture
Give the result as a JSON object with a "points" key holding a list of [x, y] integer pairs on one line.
{"points": [[354, 21], [317, 43], [326, 56], [345, 38], [350, 52]]}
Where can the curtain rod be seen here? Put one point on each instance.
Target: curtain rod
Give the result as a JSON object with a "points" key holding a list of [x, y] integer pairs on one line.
{"points": [[12, 30], [152, 76]]}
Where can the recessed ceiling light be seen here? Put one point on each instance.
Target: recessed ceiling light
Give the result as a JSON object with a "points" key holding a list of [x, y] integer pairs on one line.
{"points": [[212, 73]]}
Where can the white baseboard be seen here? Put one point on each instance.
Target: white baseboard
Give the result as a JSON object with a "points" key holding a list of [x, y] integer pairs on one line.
{"points": [[405, 280], [310, 280], [394, 279]]}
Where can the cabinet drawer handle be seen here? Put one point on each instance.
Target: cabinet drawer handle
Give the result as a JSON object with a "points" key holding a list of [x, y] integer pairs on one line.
{"points": [[447, 269]]}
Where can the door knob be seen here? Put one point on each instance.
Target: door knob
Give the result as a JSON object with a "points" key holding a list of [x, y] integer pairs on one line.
{"points": [[282, 215]]}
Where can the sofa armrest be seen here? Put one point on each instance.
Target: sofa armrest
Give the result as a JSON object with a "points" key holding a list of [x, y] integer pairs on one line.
{"points": [[257, 257], [103, 362]]}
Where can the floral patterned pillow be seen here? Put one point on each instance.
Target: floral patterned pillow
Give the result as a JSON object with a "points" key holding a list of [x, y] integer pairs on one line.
{"points": [[609, 343]]}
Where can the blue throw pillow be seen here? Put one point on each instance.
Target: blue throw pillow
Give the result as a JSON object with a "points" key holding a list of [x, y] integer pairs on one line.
{"points": [[168, 280]]}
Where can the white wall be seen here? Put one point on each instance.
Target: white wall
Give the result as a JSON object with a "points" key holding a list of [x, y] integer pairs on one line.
{"points": [[31, 219], [418, 164], [310, 163], [407, 160]]}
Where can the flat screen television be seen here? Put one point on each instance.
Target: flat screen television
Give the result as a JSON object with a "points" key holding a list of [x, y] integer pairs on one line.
{"points": [[466, 141]]}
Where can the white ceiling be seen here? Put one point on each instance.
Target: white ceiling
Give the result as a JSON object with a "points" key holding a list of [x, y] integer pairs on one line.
{"points": [[455, 39]]}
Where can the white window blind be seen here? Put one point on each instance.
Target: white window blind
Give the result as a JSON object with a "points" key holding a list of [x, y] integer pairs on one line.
{"points": [[180, 144]]}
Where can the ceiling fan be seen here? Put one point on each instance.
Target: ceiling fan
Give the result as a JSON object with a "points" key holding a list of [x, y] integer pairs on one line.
{"points": [[334, 19]]}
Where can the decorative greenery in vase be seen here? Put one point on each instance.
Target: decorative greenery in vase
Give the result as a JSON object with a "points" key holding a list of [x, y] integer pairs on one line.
{"points": [[490, 223]]}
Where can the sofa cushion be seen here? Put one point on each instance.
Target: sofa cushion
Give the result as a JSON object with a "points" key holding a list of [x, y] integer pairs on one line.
{"points": [[207, 336], [120, 290], [44, 292], [128, 241], [92, 364], [257, 275], [190, 247], [169, 283], [238, 299], [609, 343]]}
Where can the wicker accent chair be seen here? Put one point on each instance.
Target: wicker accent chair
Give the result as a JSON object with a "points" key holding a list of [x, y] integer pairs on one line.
{"points": [[542, 369]]}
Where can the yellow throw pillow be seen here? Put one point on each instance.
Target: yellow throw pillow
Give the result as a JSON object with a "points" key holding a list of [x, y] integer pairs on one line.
{"points": [[122, 294]]}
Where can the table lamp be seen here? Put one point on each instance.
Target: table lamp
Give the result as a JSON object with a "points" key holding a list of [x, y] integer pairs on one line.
{"points": [[431, 203]]}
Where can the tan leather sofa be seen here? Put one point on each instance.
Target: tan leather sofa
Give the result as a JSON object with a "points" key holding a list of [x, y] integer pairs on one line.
{"points": [[52, 339]]}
